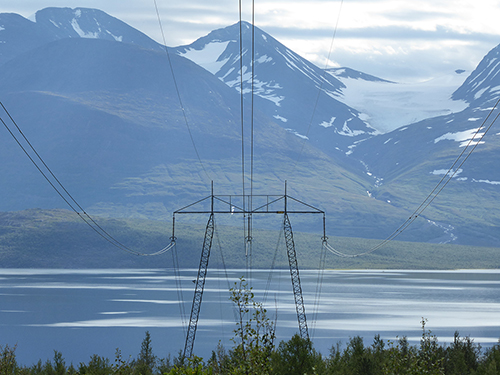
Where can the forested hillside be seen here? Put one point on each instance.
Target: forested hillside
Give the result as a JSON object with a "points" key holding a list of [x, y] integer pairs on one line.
{"points": [[60, 239]]}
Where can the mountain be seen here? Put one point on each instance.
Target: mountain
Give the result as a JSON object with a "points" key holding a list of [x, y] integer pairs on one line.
{"points": [[354, 74], [115, 121], [303, 98], [482, 86], [128, 138], [108, 119], [420, 154], [18, 34]]}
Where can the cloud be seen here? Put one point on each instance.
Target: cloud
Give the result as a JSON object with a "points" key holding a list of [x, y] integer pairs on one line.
{"points": [[410, 40]]}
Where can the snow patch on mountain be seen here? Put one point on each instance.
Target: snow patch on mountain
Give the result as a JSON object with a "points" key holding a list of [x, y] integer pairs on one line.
{"points": [[78, 29], [328, 124], [487, 182], [278, 117], [264, 59], [81, 33], [265, 90], [208, 56], [294, 132], [348, 131], [439, 172], [464, 137], [491, 73], [389, 106]]}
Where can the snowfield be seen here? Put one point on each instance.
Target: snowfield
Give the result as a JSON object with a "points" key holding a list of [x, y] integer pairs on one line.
{"points": [[388, 106], [208, 57]]}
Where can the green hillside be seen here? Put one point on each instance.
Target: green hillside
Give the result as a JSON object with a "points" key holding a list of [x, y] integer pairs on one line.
{"points": [[60, 239]]}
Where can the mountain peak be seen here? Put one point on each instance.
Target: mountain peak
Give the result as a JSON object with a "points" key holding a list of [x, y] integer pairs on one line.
{"points": [[354, 74], [482, 86], [286, 84], [93, 24], [77, 22]]}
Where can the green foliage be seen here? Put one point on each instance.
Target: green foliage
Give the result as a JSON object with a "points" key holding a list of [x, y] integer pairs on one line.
{"points": [[121, 366], [254, 333], [194, 366], [8, 364], [431, 356], [146, 362], [463, 356], [96, 366], [428, 358], [490, 364], [296, 357]]}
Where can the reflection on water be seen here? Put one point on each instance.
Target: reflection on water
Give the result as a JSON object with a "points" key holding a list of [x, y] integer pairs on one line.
{"points": [[85, 312]]}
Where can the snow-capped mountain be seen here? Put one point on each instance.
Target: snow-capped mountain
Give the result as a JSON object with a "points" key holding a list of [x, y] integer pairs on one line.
{"points": [[18, 34], [98, 101], [298, 94], [423, 153], [483, 85]]}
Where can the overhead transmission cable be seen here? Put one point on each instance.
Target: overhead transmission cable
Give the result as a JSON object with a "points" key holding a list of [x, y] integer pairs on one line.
{"points": [[176, 86], [178, 286], [242, 125], [56, 184], [476, 139], [247, 205], [250, 198], [320, 88]]}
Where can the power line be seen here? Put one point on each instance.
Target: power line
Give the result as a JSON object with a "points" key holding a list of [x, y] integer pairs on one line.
{"points": [[242, 118], [447, 177], [320, 89], [56, 184], [178, 93]]}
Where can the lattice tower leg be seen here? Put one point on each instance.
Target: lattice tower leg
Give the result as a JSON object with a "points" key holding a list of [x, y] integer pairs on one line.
{"points": [[198, 292], [294, 273]]}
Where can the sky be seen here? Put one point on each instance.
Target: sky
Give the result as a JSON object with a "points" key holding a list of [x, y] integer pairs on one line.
{"points": [[403, 41]]}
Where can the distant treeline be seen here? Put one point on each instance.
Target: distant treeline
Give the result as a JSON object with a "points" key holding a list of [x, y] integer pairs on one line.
{"points": [[295, 356], [59, 239]]}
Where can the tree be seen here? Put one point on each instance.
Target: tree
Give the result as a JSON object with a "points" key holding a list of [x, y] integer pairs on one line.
{"points": [[146, 360], [462, 356], [8, 363], [296, 356], [406, 359], [96, 366], [490, 364], [254, 333], [431, 355], [194, 366]]}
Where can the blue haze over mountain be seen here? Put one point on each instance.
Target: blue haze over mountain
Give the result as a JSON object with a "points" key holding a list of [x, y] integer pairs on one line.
{"points": [[98, 101]]}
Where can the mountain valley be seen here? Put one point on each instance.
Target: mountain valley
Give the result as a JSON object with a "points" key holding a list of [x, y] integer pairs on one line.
{"points": [[98, 101]]}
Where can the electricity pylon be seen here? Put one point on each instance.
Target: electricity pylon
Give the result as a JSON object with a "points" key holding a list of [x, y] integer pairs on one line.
{"points": [[234, 204]]}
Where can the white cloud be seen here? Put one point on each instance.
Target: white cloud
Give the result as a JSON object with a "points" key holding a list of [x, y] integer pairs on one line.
{"points": [[393, 39]]}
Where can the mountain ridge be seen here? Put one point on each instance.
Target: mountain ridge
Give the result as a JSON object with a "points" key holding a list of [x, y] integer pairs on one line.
{"points": [[105, 113]]}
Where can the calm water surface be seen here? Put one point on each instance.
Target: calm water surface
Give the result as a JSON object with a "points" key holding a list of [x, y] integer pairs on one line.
{"points": [[85, 312]]}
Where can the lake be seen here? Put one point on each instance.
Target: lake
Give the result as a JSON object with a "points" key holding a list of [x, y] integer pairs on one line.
{"points": [[85, 312]]}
